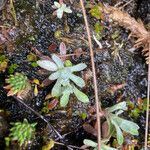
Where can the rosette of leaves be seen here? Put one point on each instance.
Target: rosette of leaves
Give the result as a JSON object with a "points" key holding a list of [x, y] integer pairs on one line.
{"points": [[119, 124], [60, 9], [93, 144], [22, 132], [66, 79], [18, 84]]}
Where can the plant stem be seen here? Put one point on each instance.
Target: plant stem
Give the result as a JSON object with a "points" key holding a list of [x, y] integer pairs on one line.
{"points": [[60, 1], [98, 107], [148, 103]]}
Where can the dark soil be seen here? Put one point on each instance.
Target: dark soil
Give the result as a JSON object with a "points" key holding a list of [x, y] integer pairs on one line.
{"points": [[36, 29]]}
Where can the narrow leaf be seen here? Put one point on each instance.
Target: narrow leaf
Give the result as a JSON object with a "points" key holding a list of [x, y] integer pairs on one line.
{"points": [[118, 106], [80, 95], [127, 126], [77, 80], [119, 132], [65, 98], [68, 10], [59, 13], [58, 61], [57, 4], [56, 91], [54, 76], [52, 104], [62, 48], [105, 147], [35, 90], [78, 67], [48, 65], [90, 143]]}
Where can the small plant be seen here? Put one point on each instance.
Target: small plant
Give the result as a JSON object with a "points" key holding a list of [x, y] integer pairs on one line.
{"points": [[23, 132], [12, 68], [61, 8], [3, 63], [93, 144], [116, 125], [96, 11], [64, 74], [120, 124], [17, 84]]}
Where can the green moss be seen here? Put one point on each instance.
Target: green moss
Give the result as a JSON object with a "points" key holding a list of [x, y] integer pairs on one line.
{"points": [[22, 132]]}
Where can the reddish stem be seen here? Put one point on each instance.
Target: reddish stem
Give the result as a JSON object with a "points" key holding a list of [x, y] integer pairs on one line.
{"points": [[60, 1]]}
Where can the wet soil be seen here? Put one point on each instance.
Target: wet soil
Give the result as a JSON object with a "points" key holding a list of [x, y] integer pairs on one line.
{"points": [[115, 64]]}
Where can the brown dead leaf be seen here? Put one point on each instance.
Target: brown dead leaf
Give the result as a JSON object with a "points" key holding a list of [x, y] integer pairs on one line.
{"points": [[47, 82], [105, 129], [78, 52], [89, 129], [52, 104], [52, 48], [116, 87], [48, 96], [87, 75]]}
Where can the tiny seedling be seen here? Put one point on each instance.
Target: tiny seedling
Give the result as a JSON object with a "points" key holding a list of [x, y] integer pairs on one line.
{"points": [[118, 123], [22, 132], [66, 79], [60, 9]]}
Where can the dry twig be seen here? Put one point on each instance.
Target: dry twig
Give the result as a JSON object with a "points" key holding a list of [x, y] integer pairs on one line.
{"points": [[148, 103], [98, 107]]}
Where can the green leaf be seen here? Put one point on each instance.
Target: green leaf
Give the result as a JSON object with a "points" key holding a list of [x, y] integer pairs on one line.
{"points": [[57, 4], [48, 65], [78, 67], [58, 61], [98, 27], [90, 143], [135, 112], [31, 57], [119, 112], [105, 147], [59, 13], [65, 98], [34, 64], [80, 95], [127, 126], [65, 73], [67, 10], [56, 91], [54, 76], [119, 106], [95, 12], [68, 63], [77, 80], [119, 132], [12, 68]]}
